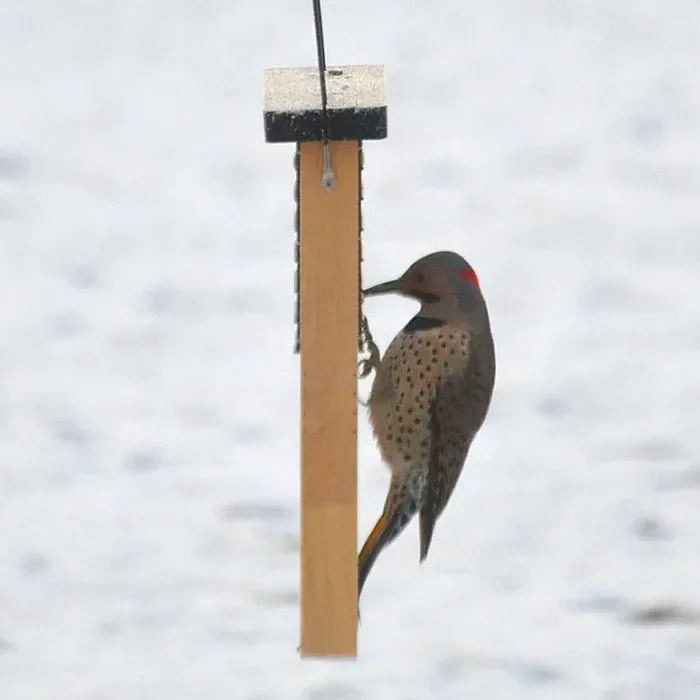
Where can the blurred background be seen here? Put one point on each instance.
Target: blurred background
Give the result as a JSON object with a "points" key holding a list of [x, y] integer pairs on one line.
{"points": [[149, 396]]}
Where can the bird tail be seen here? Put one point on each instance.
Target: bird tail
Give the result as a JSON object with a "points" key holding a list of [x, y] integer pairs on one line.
{"points": [[427, 525], [391, 522], [374, 544]]}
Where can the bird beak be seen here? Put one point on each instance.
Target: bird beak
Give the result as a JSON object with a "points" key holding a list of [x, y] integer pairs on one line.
{"points": [[384, 288]]}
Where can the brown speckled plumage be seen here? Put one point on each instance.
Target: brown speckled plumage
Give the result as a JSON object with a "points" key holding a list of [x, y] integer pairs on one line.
{"points": [[430, 396]]}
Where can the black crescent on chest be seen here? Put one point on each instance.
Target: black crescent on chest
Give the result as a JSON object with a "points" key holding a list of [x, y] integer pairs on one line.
{"points": [[423, 323]]}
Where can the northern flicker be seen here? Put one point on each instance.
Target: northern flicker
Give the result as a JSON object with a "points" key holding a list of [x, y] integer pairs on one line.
{"points": [[430, 396]]}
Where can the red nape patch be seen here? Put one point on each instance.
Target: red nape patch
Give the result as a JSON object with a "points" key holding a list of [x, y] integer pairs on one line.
{"points": [[469, 276]]}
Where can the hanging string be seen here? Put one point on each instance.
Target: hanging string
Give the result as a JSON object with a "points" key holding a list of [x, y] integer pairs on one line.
{"points": [[328, 176]]}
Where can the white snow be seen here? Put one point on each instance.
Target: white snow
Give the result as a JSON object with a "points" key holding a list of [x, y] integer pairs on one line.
{"points": [[149, 396]]}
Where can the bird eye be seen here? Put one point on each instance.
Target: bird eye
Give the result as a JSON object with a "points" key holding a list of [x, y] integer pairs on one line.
{"points": [[420, 277]]}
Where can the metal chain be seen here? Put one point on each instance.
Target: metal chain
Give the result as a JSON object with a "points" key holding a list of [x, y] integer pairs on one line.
{"points": [[365, 341], [297, 248], [367, 364]]}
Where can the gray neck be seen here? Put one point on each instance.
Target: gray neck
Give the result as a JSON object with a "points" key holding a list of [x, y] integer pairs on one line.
{"points": [[467, 307]]}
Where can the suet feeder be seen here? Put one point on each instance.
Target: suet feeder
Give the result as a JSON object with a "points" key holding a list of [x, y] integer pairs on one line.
{"points": [[328, 134]]}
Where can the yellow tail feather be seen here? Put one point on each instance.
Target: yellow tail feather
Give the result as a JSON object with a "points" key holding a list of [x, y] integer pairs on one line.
{"points": [[371, 548]]}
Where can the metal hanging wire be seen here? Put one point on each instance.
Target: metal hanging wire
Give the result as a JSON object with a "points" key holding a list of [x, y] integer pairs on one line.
{"points": [[328, 177]]}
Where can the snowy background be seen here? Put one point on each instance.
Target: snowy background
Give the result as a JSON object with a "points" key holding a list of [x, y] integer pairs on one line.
{"points": [[148, 393]]}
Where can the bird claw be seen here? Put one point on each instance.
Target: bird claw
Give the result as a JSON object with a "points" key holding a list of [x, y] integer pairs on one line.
{"points": [[368, 364]]}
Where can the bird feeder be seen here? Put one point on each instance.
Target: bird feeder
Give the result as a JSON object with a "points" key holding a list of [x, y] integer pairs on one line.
{"points": [[328, 123]]}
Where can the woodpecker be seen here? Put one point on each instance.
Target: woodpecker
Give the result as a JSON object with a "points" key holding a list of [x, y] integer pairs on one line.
{"points": [[430, 396]]}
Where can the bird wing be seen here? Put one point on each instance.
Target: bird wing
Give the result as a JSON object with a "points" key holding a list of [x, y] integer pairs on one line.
{"points": [[451, 436], [428, 513]]}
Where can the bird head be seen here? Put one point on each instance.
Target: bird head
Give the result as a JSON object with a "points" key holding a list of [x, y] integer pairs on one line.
{"points": [[433, 280]]}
